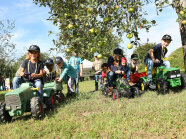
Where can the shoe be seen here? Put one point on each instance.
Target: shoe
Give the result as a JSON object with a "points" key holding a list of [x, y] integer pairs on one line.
{"points": [[152, 85]]}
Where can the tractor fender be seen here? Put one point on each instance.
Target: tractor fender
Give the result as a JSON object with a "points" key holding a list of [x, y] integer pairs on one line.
{"points": [[46, 92]]}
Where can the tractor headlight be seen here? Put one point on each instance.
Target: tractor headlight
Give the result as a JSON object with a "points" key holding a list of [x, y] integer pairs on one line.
{"points": [[172, 76], [178, 75]]}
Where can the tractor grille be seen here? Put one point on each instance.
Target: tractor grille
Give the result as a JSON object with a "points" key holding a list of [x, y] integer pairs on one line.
{"points": [[12, 100], [173, 74]]}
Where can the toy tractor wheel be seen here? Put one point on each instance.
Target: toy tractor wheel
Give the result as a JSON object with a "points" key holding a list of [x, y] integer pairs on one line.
{"points": [[183, 81], [162, 87], [60, 97], [115, 94], [142, 85], [51, 101], [135, 92], [37, 109], [105, 91], [4, 115]]}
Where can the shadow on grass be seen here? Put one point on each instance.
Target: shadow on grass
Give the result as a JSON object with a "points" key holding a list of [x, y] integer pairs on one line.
{"points": [[50, 112]]}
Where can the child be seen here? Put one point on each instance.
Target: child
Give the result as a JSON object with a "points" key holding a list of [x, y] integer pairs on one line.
{"points": [[97, 67], [49, 70], [64, 69], [134, 64], [77, 64], [124, 69], [105, 70], [33, 66], [155, 58]]}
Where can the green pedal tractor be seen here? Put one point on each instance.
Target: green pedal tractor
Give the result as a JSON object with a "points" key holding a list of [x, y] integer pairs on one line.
{"points": [[165, 79], [122, 89], [26, 99]]}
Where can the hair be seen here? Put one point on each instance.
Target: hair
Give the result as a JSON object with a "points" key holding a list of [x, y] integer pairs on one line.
{"points": [[104, 65], [28, 56]]}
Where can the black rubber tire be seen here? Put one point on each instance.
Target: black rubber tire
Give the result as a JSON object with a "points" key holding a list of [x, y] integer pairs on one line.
{"points": [[135, 92], [115, 94], [162, 87], [51, 101], [4, 115], [60, 97], [105, 91], [183, 81], [37, 109]]}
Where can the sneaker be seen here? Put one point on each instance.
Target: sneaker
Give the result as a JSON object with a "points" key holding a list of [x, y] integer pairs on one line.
{"points": [[152, 85]]}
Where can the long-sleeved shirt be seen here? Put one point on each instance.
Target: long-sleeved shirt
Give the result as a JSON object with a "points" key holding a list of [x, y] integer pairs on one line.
{"points": [[68, 70]]}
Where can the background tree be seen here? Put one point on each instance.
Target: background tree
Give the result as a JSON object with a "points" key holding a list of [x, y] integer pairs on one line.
{"points": [[6, 48]]}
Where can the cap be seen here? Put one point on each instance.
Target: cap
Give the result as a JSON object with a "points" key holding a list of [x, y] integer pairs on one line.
{"points": [[167, 37], [49, 62], [123, 59], [58, 60], [96, 54], [118, 51], [34, 48], [134, 56]]}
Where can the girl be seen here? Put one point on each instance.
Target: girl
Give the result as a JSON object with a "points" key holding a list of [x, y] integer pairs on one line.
{"points": [[64, 69], [33, 67]]}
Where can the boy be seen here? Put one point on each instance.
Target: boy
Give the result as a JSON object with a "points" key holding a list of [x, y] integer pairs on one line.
{"points": [[124, 69], [134, 64], [155, 58], [105, 70], [49, 70], [97, 67], [77, 64]]}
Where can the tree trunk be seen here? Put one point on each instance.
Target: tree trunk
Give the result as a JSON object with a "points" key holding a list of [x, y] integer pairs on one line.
{"points": [[182, 31]]}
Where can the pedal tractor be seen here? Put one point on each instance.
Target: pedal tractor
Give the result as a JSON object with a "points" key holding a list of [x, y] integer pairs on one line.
{"points": [[165, 79], [122, 89], [26, 99]]}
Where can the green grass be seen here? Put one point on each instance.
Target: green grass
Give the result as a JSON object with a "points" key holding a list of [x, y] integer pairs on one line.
{"points": [[92, 115]]}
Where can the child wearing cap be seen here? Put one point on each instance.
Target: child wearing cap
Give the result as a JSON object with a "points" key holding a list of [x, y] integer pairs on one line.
{"points": [[134, 64], [64, 69], [155, 57], [49, 70], [34, 68], [97, 67]]}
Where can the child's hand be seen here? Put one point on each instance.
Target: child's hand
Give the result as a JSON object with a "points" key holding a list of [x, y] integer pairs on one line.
{"points": [[59, 80], [156, 61], [33, 75], [22, 74]]}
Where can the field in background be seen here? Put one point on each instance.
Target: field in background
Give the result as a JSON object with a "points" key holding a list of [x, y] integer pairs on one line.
{"points": [[92, 115]]}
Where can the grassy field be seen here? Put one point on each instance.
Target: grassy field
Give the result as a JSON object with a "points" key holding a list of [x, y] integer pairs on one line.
{"points": [[92, 115]]}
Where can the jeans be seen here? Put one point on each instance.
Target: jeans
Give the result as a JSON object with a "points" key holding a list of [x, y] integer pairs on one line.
{"points": [[110, 78], [77, 82], [98, 78], [17, 81], [150, 65]]}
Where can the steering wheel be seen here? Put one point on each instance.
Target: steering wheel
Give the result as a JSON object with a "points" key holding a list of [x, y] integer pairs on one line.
{"points": [[26, 77]]}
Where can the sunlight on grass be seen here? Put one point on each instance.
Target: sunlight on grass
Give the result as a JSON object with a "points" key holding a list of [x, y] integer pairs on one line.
{"points": [[92, 115]]}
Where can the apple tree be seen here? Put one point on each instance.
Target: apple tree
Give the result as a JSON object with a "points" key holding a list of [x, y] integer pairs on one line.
{"points": [[85, 24], [94, 25]]}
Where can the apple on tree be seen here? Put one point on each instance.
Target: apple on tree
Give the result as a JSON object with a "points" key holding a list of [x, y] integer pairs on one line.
{"points": [[68, 50], [130, 35], [184, 22], [99, 56], [129, 46], [70, 26]]}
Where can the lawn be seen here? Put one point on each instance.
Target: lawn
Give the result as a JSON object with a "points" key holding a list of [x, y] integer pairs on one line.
{"points": [[92, 115]]}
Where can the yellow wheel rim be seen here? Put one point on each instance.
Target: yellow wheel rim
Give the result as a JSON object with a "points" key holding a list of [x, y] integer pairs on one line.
{"points": [[158, 85], [142, 87]]}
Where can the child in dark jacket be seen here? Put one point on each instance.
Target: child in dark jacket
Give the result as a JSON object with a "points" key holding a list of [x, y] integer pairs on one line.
{"points": [[124, 69]]}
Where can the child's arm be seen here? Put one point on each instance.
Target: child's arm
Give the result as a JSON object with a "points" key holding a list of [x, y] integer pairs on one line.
{"points": [[151, 51], [22, 72], [38, 75], [63, 73]]}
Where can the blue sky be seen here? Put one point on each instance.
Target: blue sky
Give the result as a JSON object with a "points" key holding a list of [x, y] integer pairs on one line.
{"points": [[31, 26]]}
